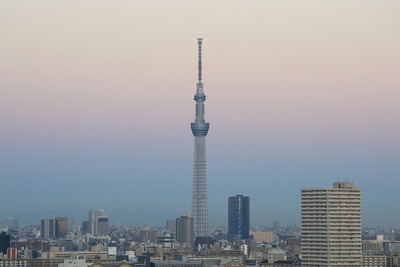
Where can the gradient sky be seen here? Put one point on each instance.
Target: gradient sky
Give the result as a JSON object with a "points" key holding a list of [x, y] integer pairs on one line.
{"points": [[96, 100]]}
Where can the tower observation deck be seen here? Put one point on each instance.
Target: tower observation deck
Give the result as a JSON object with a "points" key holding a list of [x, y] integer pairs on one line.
{"points": [[200, 130]]}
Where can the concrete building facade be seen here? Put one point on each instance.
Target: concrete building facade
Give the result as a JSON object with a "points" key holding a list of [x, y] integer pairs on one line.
{"points": [[331, 226], [184, 230]]}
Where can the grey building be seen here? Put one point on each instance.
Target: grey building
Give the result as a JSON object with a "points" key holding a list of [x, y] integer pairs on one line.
{"points": [[184, 230], [47, 228]]}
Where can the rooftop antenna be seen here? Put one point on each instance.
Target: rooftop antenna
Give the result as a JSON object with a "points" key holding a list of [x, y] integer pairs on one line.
{"points": [[200, 40]]}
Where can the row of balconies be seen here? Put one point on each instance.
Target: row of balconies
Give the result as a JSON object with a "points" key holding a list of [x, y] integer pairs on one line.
{"points": [[351, 234], [334, 226], [332, 216]]}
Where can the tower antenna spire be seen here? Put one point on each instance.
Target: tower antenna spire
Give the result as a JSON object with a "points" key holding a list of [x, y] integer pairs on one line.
{"points": [[200, 40]]}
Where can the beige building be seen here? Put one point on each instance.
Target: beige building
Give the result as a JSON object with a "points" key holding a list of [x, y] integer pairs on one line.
{"points": [[262, 237], [331, 226], [372, 247], [374, 261], [275, 255]]}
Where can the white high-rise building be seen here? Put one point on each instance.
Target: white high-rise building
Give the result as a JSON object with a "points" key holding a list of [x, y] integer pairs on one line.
{"points": [[331, 226]]}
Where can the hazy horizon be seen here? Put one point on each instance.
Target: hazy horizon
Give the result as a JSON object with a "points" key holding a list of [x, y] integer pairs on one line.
{"points": [[96, 100]]}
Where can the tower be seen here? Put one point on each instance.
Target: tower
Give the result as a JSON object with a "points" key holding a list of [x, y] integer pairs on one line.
{"points": [[331, 226], [238, 218], [200, 130]]}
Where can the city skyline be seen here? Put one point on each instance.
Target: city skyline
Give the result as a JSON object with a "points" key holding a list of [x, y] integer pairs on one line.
{"points": [[95, 94]]}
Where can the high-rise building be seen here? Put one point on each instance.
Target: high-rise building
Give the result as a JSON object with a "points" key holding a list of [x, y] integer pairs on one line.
{"points": [[98, 218], [47, 228], [102, 225], [331, 226], [238, 217], [184, 230], [61, 227], [200, 129], [4, 243]]}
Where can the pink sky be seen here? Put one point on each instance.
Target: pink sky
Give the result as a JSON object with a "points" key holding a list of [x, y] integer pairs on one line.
{"points": [[289, 73]]}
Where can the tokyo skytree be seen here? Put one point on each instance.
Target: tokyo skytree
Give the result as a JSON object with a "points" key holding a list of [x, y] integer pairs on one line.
{"points": [[200, 130]]}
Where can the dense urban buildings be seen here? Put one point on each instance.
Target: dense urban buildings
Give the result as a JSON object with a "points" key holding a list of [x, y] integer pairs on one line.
{"points": [[200, 129], [331, 226], [238, 217], [330, 235]]}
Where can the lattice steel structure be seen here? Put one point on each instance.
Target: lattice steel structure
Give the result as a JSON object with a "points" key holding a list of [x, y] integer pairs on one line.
{"points": [[200, 130]]}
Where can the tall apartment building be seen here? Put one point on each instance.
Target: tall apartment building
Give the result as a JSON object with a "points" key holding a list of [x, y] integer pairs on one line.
{"points": [[331, 226], [184, 230], [47, 228], [238, 218]]}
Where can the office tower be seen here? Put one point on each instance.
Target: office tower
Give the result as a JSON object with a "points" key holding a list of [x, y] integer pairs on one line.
{"points": [[331, 226], [238, 217], [11, 223], [98, 218], [47, 228], [200, 129], [4, 243], [61, 227], [184, 230], [102, 225]]}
